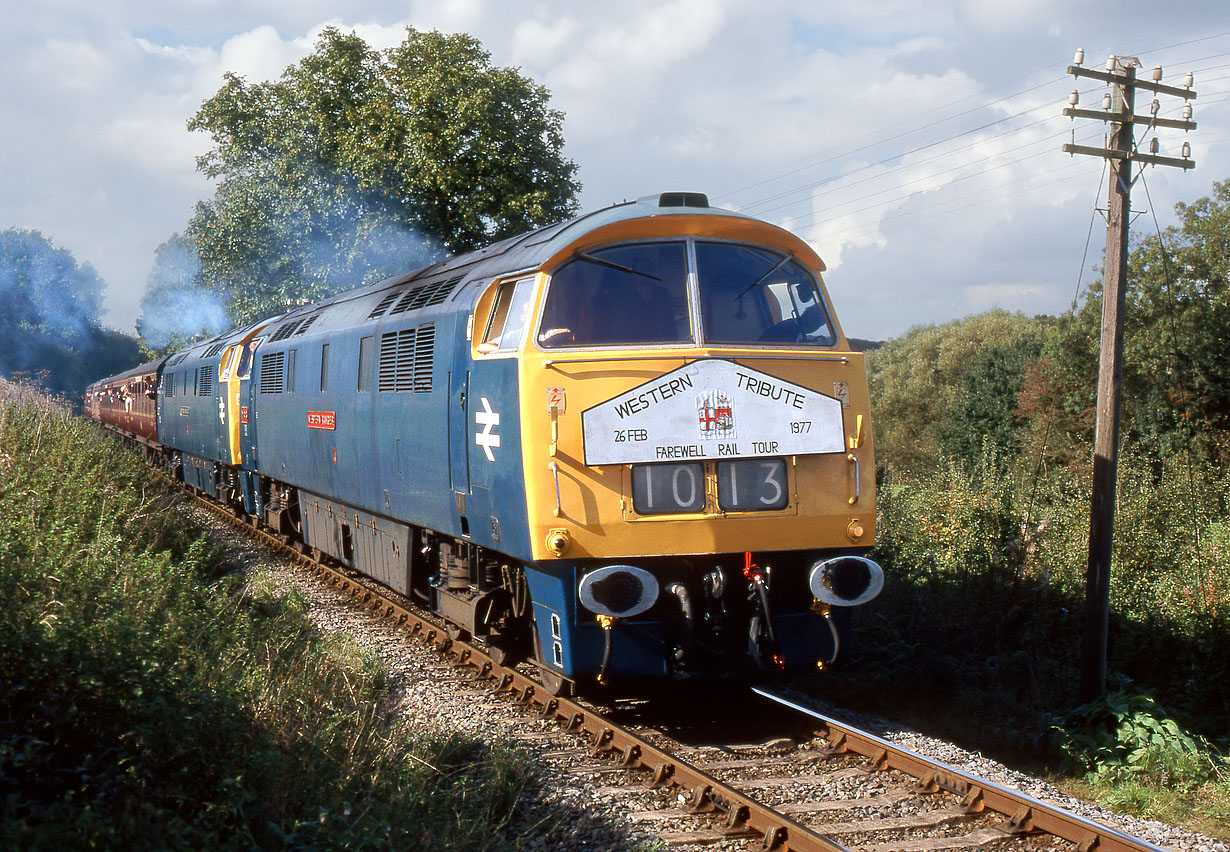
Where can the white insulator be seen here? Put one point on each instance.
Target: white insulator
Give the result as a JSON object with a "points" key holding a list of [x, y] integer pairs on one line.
{"points": [[1153, 146], [1154, 107], [1189, 79], [1111, 62], [1157, 73], [1187, 112], [1187, 150], [1106, 101], [1079, 58], [1074, 98]]}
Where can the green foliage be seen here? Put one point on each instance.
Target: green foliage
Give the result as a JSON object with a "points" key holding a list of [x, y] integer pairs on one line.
{"points": [[49, 317], [1176, 377], [1128, 735], [150, 698], [985, 409], [358, 164], [941, 388]]}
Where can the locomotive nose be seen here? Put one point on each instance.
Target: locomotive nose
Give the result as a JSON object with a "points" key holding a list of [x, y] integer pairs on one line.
{"points": [[846, 580], [619, 591]]}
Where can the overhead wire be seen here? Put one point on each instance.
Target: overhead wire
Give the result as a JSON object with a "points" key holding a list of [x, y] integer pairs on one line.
{"points": [[994, 160], [897, 162]]}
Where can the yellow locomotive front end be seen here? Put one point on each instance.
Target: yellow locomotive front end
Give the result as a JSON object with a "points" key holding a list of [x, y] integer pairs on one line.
{"points": [[697, 444]]}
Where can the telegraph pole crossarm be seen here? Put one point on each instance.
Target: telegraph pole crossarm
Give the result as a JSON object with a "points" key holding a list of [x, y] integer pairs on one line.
{"points": [[1106, 77], [1098, 115], [1111, 154]]}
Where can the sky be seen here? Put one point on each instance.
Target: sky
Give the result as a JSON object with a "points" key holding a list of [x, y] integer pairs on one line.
{"points": [[915, 144]]}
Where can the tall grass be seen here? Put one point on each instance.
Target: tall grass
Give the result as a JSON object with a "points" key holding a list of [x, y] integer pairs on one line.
{"points": [[149, 699]]}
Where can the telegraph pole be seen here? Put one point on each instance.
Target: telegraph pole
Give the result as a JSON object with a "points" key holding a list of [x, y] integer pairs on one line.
{"points": [[1118, 108]]}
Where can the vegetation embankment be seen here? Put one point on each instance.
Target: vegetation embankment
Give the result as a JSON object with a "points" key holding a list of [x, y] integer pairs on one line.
{"points": [[151, 699], [984, 442]]}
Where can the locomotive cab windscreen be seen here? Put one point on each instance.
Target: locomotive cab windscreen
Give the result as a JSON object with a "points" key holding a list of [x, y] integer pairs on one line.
{"points": [[684, 293]]}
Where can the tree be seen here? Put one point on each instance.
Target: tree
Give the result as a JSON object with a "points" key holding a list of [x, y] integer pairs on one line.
{"points": [[357, 164], [49, 317], [941, 389], [985, 408], [1176, 375], [1177, 333]]}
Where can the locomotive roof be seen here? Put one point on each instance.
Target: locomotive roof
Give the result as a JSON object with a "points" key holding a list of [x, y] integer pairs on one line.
{"points": [[532, 248], [462, 276]]}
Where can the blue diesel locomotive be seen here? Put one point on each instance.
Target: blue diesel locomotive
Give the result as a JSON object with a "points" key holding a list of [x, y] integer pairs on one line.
{"points": [[634, 446]]}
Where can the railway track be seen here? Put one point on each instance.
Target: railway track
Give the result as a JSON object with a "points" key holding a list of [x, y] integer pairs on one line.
{"points": [[827, 787]]}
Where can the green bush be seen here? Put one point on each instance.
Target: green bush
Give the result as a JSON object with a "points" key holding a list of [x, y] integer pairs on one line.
{"points": [[1127, 734]]}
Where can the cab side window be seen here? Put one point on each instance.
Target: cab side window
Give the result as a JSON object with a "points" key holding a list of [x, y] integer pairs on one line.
{"points": [[509, 316]]}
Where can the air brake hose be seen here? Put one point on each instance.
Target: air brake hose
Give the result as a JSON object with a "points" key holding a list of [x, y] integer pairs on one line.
{"points": [[680, 591], [828, 619], [768, 614], [607, 623]]}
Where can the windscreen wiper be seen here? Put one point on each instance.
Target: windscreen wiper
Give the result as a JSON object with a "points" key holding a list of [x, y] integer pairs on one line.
{"points": [[612, 265], [761, 279]]}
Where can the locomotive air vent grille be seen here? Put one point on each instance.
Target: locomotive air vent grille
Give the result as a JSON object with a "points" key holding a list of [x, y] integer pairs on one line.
{"points": [[307, 323], [424, 354], [181, 356], [426, 295], [439, 292], [168, 384], [285, 330], [379, 310], [406, 359], [388, 358], [215, 349], [273, 367], [204, 381]]}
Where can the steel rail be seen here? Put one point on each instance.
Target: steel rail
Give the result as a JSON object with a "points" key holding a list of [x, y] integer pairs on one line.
{"points": [[1025, 813]]}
